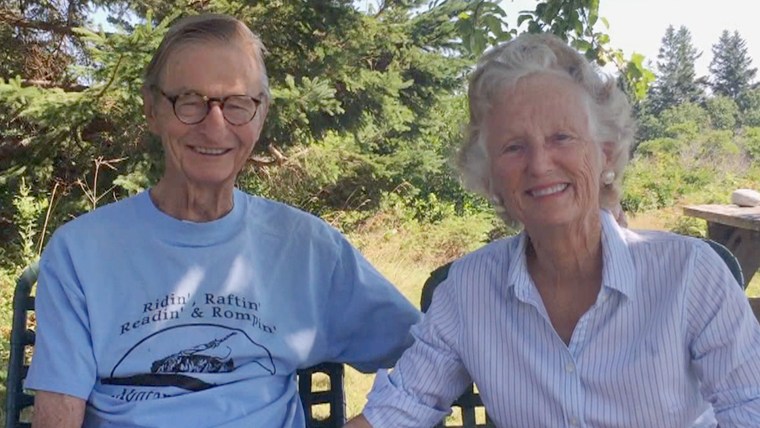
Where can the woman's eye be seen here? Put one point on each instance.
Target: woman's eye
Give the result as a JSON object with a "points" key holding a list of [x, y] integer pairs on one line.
{"points": [[513, 148], [562, 137]]}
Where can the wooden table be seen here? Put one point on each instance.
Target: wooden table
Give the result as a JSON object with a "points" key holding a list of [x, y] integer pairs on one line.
{"points": [[738, 228]]}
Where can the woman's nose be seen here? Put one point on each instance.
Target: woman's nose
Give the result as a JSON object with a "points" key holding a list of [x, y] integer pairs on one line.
{"points": [[539, 160]]}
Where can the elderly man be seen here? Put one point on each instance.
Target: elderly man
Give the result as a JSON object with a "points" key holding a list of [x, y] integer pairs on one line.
{"points": [[193, 303]]}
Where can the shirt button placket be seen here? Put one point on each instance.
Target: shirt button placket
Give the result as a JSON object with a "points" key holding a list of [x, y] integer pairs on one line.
{"points": [[573, 397]]}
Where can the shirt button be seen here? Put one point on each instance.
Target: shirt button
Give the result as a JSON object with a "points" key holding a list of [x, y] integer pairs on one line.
{"points": [[570, 367], [574, 422]]}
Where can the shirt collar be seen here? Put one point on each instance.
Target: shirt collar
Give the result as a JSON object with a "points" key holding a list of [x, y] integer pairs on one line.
{"points": [[618, 271]]}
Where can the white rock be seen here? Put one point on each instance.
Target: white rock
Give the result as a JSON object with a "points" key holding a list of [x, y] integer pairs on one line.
{"points": [[745, 197]]}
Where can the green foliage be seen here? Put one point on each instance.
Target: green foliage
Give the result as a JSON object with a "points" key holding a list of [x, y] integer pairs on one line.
{"points": [[723, 111], [686, 120], [750, 141], [689, 226], [651, 184], [750, 107], [731, 67], [480, 24], [29, 215], [700, 168], [575, 21]]}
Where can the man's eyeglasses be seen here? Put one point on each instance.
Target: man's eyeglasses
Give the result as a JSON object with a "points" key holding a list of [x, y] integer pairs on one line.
{"points": [[191, 108]]}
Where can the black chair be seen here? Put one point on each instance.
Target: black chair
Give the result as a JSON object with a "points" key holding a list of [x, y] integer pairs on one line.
{"points": [[470, 402], [730, 260], [311, 389]]}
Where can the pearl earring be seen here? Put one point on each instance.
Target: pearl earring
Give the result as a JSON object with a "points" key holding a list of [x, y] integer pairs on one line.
{"points": [[608, 177]]}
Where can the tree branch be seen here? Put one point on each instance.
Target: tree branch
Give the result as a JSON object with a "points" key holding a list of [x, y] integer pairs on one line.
{"points": [[51, 84], [62, 28], [277, 158]]}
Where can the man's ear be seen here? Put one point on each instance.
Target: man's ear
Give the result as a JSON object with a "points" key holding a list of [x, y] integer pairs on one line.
{"points": [[149, 110], [261, 117], [263, 111]]}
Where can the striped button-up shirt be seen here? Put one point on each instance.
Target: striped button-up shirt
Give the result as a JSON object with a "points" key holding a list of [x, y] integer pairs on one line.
{"points": [[670, 336]]}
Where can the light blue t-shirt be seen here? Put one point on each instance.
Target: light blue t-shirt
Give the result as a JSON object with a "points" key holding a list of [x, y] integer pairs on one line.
{"points": [[161, 322]]}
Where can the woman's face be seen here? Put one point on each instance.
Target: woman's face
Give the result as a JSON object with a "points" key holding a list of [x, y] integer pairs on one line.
{"points": [[543, 162]]}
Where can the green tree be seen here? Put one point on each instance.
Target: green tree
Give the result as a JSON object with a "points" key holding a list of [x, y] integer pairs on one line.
{"points": [[685, 121], [731, 66], [750, 102], [676, 80], [723, 112]]}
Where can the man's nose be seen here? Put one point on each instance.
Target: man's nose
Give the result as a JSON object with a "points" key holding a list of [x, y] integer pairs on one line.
{"points": [[215, 116]]}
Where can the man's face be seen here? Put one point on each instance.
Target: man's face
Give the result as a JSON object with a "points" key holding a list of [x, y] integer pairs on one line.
{"points": [[213, 151]]}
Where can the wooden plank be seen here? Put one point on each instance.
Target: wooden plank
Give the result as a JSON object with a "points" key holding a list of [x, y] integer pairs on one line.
{"points": [[730, 215]]}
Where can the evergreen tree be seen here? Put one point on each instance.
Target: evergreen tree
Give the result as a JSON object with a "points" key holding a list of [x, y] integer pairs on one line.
{"points": [[676, 80], [731, 67]]}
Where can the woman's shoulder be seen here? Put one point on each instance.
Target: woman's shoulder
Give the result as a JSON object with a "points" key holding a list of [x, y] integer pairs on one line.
{"points": [[492, 261], [643, 239], [668, 249]]}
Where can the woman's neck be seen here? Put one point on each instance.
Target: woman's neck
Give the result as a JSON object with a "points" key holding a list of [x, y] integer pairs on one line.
{"points": [[193, 203], [569, 254]]}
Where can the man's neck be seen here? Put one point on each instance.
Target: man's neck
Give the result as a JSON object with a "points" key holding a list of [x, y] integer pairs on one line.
{"points": [[193, 203]]}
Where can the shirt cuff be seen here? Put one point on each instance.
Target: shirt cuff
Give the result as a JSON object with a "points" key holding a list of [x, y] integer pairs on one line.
{"points": [[390, 406]]}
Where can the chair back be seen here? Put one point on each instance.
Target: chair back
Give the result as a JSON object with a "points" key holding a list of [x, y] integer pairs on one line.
{"points": [[315, 397], [729, 259]]}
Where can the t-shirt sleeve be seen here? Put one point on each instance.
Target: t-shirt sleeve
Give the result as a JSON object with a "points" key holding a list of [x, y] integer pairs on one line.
{"points": [[368, 319], [428, 377], [724, 341], [63, 359]]}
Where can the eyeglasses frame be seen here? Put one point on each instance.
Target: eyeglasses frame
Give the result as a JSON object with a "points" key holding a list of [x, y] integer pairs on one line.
{"points": [[208, 100]]}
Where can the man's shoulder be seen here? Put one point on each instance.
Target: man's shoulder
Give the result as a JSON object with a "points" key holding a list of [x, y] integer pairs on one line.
{"points": [[110, 216], [279, 218]]}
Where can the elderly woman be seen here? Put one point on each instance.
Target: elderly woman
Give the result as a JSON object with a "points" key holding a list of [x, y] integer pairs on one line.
{"points": [[575, 321]]}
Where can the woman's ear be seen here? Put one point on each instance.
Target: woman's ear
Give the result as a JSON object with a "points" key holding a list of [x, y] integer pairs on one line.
{"points": [[608, 153]]}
